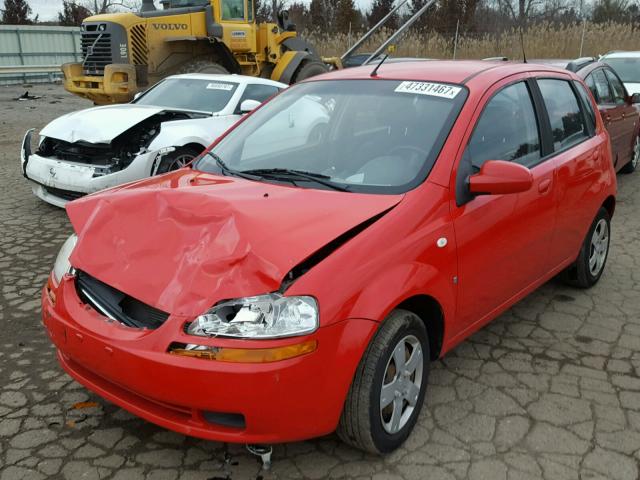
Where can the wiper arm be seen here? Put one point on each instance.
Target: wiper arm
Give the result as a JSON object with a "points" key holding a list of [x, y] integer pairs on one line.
{"points": [[299, 174], [228, 171]]}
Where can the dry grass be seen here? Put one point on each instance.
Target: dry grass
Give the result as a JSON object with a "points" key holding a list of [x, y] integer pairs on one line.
{"points": [[541, 41]]}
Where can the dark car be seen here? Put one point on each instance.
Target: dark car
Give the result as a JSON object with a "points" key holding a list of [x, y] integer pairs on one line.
{"points": [[617, 107]]}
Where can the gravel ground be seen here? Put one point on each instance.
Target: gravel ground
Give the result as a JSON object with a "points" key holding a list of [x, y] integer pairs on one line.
{"points": [[549, 390]]}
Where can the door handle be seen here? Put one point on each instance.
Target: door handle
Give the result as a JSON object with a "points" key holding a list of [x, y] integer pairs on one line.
{"points": [[544, 185]]}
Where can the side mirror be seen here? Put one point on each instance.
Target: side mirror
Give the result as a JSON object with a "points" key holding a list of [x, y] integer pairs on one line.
{"points": [[497, 177], [249, 105], [635, 98]]}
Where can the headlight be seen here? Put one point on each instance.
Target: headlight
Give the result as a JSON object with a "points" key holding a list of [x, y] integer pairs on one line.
{"points": [[264, 316], [62, 264]]}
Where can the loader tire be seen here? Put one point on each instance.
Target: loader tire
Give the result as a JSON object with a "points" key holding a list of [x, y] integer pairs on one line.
{"points": [[202, 66], [309, 69]]}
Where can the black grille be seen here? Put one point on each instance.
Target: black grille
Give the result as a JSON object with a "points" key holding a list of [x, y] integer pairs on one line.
{"points": [[64, 194], [117, 305], [81, 152], [96, 51]]}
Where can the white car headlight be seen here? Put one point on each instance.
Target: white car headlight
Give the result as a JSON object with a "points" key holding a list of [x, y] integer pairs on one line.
{"points": [[264, 316], [62, 264]]}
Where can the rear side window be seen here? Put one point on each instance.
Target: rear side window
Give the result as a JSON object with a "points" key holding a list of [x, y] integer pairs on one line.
{"points": [[567, 122], [507, 129], [592, 86], [616, 87], [602, 87], [586, 101]]}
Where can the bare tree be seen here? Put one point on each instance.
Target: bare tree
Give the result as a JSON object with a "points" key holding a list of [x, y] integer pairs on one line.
{"points": [[17, 12]]}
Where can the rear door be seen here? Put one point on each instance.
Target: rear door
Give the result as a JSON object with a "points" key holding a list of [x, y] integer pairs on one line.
{"points": [[503, 240], [577, 152], [628, 120]]}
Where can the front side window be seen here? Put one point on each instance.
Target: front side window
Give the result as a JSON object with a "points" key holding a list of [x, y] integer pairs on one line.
{"points": [[233, 9], [616, 87], [507, 129], [565, 116], [189, 94], [602, 87], [257, 92], [367, 136]]}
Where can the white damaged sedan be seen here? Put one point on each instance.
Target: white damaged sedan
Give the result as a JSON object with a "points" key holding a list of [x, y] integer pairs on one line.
{"points": [[161, 130]]}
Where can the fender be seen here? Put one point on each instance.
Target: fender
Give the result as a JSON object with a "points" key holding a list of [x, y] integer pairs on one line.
{"points": [[287, 65]]}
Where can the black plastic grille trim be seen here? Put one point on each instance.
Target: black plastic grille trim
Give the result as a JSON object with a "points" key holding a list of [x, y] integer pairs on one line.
{"points": [[96, 50], [117, 305]]}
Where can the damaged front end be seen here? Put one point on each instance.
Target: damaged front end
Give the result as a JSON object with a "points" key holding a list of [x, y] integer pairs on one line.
{"points": [[107, 158]]}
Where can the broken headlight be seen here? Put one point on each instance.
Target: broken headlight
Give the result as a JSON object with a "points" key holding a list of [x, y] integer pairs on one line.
{"points": [[62, 264], [264, 316]]}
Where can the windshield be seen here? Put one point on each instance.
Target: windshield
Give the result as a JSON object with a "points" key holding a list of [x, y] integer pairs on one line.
{"points": [[628, 69], [189, 94], [363, 135]]}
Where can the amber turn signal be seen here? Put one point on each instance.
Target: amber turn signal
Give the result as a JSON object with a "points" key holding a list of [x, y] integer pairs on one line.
{"points": [[248, 355]]}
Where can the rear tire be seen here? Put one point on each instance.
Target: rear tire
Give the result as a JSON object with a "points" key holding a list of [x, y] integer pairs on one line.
{"points": [[177, 159], [635, 158], [366, 422], [202, 66], [308, 69], [587, 269]]}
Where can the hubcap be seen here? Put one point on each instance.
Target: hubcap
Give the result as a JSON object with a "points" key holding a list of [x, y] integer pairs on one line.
{"points": [[180, 161], [401, 384], [636, 153], [599, 247]]}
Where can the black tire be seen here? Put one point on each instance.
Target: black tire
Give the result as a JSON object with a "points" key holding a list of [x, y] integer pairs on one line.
{"points": [[580, 274], [631, 166], [362, 421], [201, 66], [309, 68], [177, 159]]}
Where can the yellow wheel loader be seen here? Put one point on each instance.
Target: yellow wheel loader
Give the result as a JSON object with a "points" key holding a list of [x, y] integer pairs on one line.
{"points": [[123, 53]]}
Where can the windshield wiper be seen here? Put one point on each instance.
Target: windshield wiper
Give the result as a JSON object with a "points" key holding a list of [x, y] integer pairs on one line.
{"points": [[291, 174], [228, 171]]}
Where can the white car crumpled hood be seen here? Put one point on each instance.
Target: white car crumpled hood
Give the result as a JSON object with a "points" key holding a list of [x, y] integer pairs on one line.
{"points": [[98, 124]]}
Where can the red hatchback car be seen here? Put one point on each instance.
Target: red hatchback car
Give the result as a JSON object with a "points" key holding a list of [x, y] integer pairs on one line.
{"points": [[271, 294]]}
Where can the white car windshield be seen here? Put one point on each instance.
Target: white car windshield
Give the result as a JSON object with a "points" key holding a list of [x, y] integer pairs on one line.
{"points": [[356, 135], [628, 69], [192, 94]]}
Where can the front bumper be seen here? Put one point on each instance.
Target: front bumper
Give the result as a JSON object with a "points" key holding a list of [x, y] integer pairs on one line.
{"points": [[283, 401], [57, 182]]}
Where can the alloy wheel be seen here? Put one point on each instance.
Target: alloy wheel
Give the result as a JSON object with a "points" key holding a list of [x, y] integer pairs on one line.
{"points": [[599, 247], [180, 161], [401, 384], [636, 153]]}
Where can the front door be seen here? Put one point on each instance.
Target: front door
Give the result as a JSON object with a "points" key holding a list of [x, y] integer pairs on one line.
{"points": [[503, 240]]}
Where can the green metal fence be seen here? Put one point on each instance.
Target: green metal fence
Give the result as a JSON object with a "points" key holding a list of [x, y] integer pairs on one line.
{"points": [[30, 53]]}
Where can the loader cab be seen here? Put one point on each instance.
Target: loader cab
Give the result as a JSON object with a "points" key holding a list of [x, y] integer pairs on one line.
{"points": [[229, 10]]}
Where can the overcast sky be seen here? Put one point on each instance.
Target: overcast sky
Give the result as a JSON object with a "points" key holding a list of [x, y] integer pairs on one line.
{"points": [[48, 9]]}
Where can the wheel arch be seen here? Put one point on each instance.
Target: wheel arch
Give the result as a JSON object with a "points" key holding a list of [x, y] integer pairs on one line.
{"points": [[610, 205], [430, 312]]}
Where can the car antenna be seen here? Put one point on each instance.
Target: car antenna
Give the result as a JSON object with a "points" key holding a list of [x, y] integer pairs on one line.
{"points": [[524, 55], [374, 73]]}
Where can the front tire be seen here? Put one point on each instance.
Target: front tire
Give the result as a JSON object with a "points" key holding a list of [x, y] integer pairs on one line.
{"points": [[587, 269], [631, 166], [387, 393], [179, 158], [308, 69]]}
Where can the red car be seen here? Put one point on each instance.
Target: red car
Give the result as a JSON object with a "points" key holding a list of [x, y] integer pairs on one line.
{"points": [[271, 294]]}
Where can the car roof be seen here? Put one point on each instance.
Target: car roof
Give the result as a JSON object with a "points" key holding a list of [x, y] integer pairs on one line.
{"points": [[230, 77], [622, 54], [446, 71]]}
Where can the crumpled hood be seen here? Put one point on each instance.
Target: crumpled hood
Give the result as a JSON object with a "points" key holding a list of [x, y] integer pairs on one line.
{"points": [[184, 241], [98, 124]]}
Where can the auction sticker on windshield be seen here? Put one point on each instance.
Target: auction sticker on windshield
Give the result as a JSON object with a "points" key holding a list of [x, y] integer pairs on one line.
{"points": [[428, 88], [219, 86]]}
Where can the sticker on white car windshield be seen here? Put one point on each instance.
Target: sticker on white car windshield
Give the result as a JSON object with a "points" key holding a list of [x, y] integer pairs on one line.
{"points": [[428, 88], [219, 86]]}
